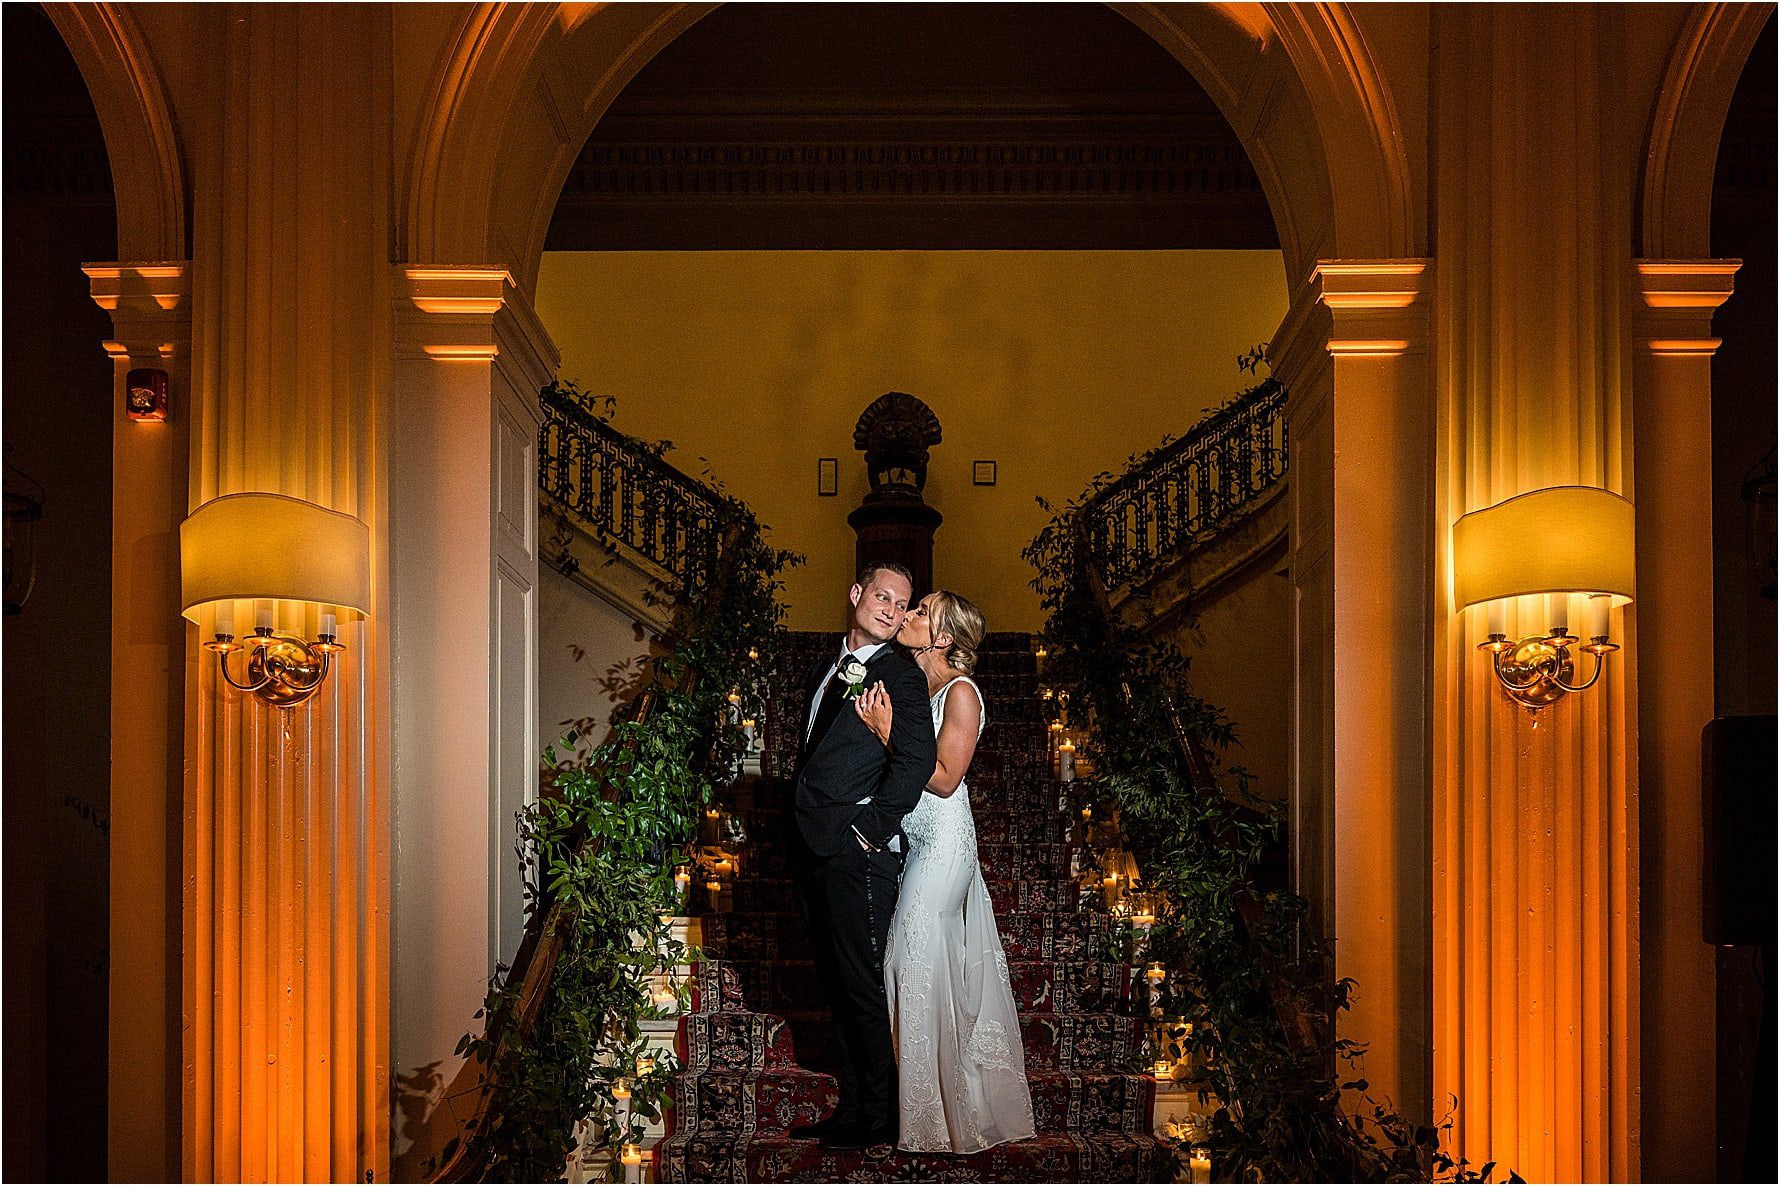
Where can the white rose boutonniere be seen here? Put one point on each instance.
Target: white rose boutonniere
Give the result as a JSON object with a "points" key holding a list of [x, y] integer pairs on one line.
{"points": [[852, 674]]}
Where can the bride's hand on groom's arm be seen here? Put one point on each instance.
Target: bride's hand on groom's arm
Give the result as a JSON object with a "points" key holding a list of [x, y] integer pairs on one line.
{"points": [[873, 707]]}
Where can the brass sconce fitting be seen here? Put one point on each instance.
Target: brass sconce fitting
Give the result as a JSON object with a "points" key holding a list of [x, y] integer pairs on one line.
{"points": [[282, 670], [1537, 670]]}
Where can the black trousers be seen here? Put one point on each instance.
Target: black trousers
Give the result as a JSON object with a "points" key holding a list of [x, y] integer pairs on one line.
{"points": [[849, 899]]}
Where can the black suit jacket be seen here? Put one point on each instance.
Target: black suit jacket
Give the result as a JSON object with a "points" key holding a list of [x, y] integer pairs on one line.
{"points": [[848, 763]]}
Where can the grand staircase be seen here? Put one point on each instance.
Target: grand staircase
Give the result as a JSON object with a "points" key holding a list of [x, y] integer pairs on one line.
{"points": [[756, 1048]]}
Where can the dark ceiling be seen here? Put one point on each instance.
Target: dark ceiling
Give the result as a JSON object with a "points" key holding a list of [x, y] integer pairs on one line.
{"points": [[912, 125]]}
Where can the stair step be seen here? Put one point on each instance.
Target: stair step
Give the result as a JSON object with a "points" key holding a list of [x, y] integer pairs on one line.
{"points": [[1030, 935], [785, 979], [1050, 1157], [1072, 986], [1038, 895], [736, 1040], [1090, 1043], [771, 1101]]}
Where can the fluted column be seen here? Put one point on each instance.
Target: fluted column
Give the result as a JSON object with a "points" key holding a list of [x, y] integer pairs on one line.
{"points": [[1672, 376], [151, 315], [471, 357], [287, 838], [1535, 837]]}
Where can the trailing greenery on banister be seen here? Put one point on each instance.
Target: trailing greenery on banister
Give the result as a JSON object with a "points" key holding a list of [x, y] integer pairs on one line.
{"points": [[1240, 966], [598, 852]]}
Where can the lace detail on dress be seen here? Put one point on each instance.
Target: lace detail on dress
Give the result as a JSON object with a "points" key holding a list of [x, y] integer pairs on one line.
{"points": [[988, 1046], [961, 1067]]}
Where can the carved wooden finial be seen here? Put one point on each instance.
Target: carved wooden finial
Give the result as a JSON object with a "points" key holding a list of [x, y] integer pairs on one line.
{"points": [[895, 433]]}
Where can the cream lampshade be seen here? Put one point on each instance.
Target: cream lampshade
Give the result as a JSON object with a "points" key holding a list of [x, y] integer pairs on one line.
{"points": [[1559, 541], [277, 548], [1564, 539]]}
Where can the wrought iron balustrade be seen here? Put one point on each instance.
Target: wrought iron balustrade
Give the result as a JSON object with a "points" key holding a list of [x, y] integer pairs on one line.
{"points": [[622, 492], [1189, 490]]}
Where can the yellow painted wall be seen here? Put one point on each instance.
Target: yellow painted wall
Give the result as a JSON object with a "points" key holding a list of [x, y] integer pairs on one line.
{"points": [[1055, 364]]}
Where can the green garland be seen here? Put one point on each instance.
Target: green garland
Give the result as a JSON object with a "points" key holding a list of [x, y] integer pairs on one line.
{"points": [[619, 899], [1240, 967]]}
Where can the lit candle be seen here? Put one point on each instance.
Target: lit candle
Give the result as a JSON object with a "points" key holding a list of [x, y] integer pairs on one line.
{"points": [[711, 813], [1144, 918], [1598, 605], [716, 887], [632, 1160], [1041, 652], [663, 999], [1155, 973], [748, 723], [1087, 813], [621, 1089], [682, 879], [1164, 1068], [735, 697], [328, 628], [753, 652], [724, 866], [646, 1066], [1066, 761], [1200, 1165], [262, 615], [1110, 881], [1498, 616]]}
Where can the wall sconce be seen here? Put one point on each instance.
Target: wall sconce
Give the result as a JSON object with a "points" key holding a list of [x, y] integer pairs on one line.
{"points": [[1559, 541], [269, 548]]}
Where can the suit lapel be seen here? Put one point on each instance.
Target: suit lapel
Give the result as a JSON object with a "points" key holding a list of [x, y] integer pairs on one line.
{"points": [[812, 686], [814, 738]]}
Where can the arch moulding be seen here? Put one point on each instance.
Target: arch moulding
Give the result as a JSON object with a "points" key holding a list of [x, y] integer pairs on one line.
{"points": [[1675, 200], [140, 139], [1296, 82]]}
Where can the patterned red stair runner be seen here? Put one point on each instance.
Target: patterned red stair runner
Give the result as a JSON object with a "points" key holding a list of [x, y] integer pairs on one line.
{"points": [[756, 1043]]}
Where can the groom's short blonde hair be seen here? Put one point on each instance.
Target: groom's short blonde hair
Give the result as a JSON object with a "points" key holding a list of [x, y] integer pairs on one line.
{"points": [[959, 617]]}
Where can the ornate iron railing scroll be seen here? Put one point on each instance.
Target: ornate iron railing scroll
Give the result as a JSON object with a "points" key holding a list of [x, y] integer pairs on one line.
{"points": [[1189, 490], [622, 492]]}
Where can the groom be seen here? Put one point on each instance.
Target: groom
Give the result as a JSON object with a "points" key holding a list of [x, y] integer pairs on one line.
{"points": [[851, 796]]}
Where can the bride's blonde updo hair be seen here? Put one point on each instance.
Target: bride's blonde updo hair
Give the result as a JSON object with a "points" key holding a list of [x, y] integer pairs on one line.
{"points": [[954, 615]]}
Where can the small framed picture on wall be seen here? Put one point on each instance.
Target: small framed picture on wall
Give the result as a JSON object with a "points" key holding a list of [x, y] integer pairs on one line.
{"points": [[982, 473], [828, 476]]}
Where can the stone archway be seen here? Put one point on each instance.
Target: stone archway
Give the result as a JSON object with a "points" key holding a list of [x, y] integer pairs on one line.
{"points": [[1678, 287], [146, 298], [1298, 85], [139, 134], [521, 89]]}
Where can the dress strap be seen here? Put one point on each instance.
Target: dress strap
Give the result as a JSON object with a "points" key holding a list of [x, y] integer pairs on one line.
{"points": [[939, 698]]}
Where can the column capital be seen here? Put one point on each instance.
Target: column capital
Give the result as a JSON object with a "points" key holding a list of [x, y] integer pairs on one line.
{"points": [[151, 315], [1678, 298], [472, 313], [1379, 307]]}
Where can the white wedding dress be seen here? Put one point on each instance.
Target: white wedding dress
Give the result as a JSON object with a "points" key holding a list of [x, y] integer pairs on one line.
{"points": [[961, 1069]]}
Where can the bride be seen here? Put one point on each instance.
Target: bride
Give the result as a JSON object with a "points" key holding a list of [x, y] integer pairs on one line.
{"points": [[960, 1066]]}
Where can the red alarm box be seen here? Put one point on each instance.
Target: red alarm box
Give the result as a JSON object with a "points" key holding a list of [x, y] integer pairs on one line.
{"points": [[145, 394]]}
